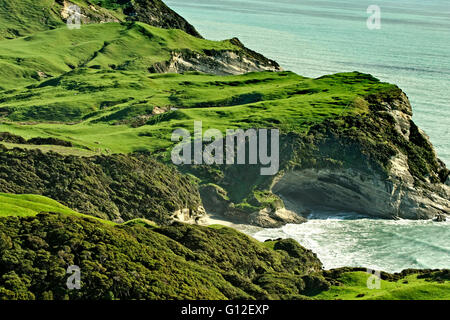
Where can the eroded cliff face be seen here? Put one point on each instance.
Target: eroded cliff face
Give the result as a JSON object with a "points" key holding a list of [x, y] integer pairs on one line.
{"points": [[156, 13], [388, 169], [353, 191], [226, 62], [377, 163]]}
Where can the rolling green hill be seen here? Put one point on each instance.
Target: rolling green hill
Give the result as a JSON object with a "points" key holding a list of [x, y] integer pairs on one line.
{"points": [[43, 57], [29, 205]]}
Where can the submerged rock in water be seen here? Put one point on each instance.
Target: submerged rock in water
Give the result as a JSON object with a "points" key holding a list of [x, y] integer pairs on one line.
{"points": [[440, 218]]}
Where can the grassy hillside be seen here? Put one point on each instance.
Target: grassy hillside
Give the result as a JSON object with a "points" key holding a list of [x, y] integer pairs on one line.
{"points": [[29, 205], [127, 46], [411, 287], [117, 109], [27, 16]]}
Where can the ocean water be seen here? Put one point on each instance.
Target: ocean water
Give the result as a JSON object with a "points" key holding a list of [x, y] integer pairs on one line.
{"points": [[317, 37], [349, 240]]}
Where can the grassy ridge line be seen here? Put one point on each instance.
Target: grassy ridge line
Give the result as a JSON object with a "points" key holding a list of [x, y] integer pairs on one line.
{"points": [[128, 46], [29, 205]]}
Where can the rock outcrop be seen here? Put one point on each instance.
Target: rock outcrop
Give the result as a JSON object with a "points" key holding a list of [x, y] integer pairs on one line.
{"points": [[351, 190], [88, 14], [216, 202], [156, 13], [225, 62], [187, 215]]}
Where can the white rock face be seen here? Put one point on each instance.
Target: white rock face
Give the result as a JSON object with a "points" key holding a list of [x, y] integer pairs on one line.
{"points": [[187, 215], [218, 63], [89, 14], [349, 190], [215, 201], [268, 218]]}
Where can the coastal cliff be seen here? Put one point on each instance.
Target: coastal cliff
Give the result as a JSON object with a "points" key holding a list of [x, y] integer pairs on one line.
{"points": [[377, 163], [399, 175]]}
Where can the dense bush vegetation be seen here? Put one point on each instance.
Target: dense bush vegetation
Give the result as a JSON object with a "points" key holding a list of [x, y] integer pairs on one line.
{"points": [[117, 187], [141, 261]]}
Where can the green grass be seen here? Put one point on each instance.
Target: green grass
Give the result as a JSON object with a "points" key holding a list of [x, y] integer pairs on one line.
{"points": [[216, 226], [58, 149], [128, 46], [29, 205], [270, 244], [257, 100], [408, 288], [26, 16], [25, 205], [141, 222]]}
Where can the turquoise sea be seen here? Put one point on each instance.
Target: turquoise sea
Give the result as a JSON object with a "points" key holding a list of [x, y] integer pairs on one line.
{"points": [[317, 37]]}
